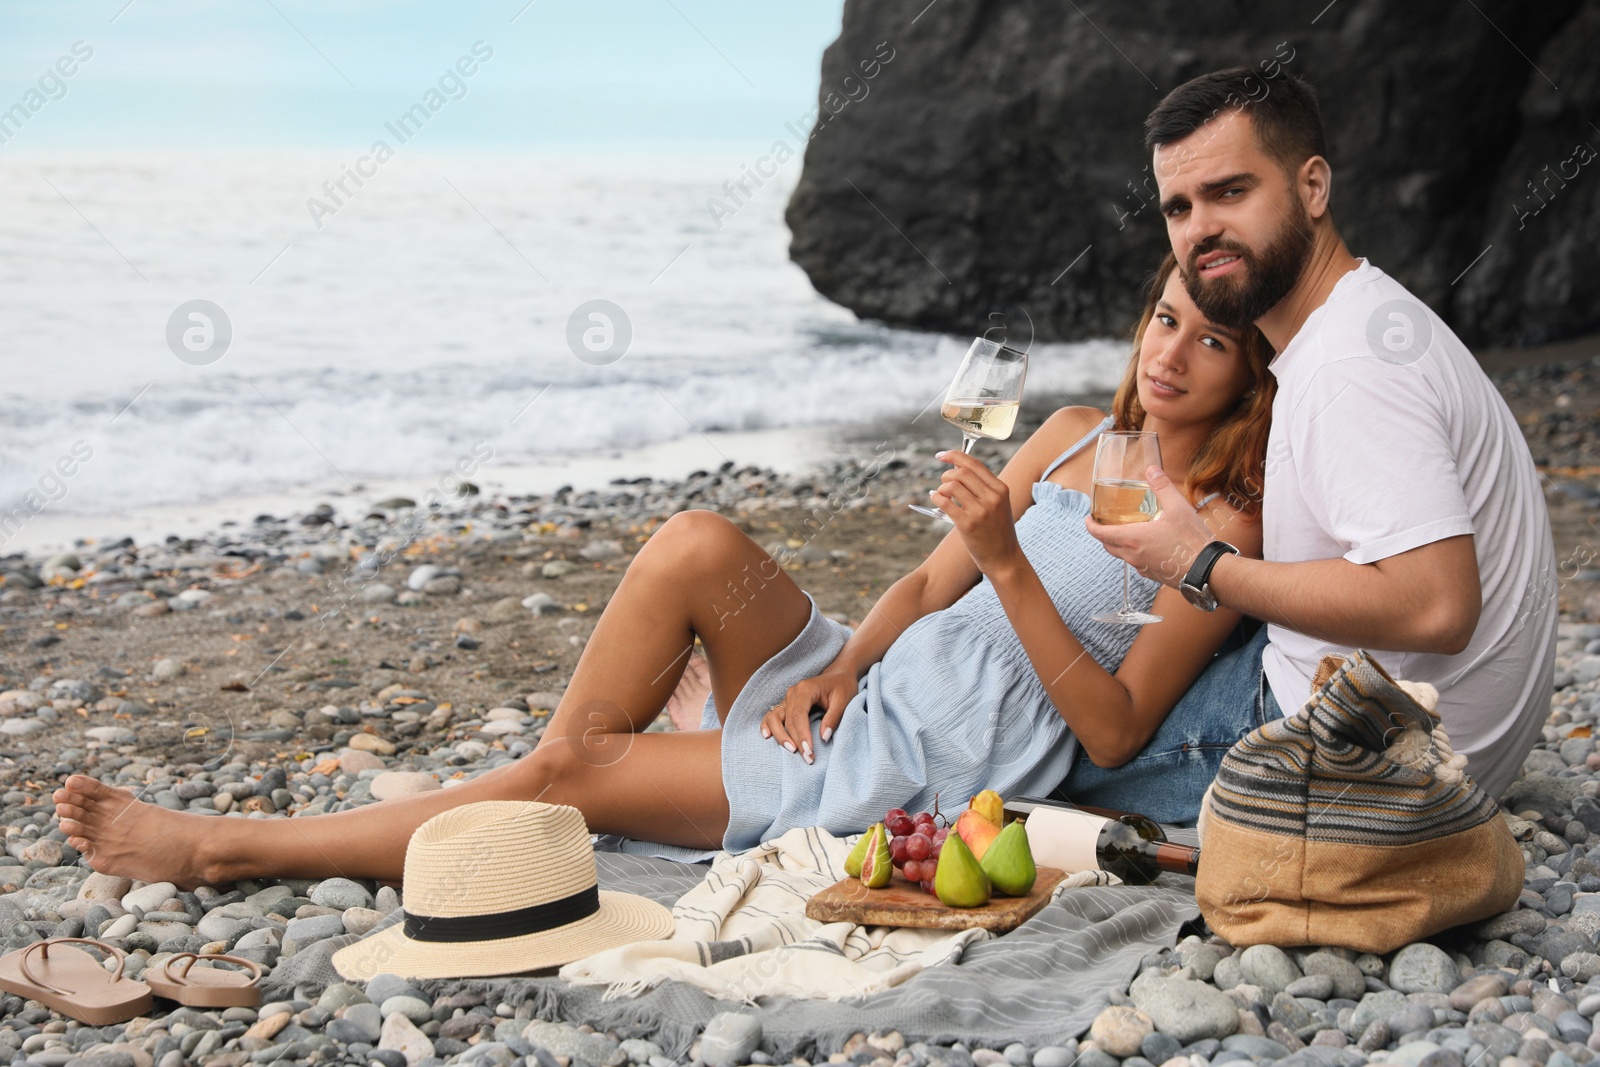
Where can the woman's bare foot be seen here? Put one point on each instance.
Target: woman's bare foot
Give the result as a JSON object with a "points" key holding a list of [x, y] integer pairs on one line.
{"points": [[122, 835], [688, 701]]}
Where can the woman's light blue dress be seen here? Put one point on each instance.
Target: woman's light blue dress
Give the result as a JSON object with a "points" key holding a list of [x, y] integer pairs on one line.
{"points": [[953, 707]]}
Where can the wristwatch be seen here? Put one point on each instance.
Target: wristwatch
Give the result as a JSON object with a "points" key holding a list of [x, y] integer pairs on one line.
{"points": [[1196, 585]]}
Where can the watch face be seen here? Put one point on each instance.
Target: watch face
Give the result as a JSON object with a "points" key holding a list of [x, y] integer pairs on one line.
{"points": [[1195, 596]]}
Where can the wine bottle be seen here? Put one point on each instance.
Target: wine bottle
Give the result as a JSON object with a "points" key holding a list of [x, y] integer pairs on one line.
{"points": [[1077, 838]]}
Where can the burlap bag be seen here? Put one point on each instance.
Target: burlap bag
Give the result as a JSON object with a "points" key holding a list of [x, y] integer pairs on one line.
{"points": [[1351, 823]]}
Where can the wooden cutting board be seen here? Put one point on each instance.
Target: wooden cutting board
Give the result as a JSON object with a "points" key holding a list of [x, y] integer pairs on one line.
{"points": [[903, 903]]}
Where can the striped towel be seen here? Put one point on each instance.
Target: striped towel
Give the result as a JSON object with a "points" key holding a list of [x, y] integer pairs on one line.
{"points": [[743, 933]]}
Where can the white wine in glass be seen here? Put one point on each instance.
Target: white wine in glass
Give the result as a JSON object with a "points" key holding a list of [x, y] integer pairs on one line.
{"points": [[1119, 500], [983, 398], [982, 416], [1122, 495]]}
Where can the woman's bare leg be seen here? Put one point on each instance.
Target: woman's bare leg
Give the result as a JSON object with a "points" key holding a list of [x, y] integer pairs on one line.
{"points": [[697, 575], [667, 787]]}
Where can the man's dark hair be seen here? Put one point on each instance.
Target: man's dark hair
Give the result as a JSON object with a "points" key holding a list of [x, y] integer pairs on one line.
{"points": [[1288, 123]]}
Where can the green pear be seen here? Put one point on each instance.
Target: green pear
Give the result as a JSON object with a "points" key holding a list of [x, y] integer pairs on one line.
{"points": [[1009, 862], [959, 881], [852, 862], [878, 867]]}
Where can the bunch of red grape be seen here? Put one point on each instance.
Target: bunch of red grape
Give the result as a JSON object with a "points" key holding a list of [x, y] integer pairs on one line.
{"points": [[914, 844]]}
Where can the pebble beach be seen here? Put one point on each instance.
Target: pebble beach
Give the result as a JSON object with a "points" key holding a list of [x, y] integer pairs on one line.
{"points": [[289, 665]]}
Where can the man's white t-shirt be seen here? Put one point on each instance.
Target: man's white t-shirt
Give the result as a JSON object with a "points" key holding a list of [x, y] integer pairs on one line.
{"points": [[1387, 435]]}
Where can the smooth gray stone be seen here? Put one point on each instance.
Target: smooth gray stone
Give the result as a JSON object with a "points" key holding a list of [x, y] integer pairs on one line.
{"points": [[1202, 959], [214, 927], [380, 987], [1411, 1018], [640, 1050], [1423, 968], [414, 1008], [1573, 1027], [1262, 1047], [1374, 1037], [341, 893], [1158, 1047], [1315, 986], [1411, 1053], [1096, 1057], [313, 928], [367, 1017], [1269, 967], [339, 995], [565, 1040], [347, 1033], [1054, 1056], [1187, 1010]]}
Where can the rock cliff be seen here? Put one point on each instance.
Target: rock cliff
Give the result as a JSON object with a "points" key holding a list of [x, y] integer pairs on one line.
{"points": [[993, 165]]}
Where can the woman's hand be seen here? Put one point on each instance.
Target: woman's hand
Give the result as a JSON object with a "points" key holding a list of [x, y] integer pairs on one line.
{"points": [[789, 723], [980, 503]]}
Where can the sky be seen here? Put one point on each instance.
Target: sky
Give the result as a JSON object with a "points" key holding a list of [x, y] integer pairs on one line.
{"points": [[196, 75]]}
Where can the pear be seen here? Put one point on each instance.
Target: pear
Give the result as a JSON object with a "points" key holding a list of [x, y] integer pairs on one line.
{"points": [[989, 805], [852, 862], [959, 881], [1009, 862], [878, 867], [975, 829]]}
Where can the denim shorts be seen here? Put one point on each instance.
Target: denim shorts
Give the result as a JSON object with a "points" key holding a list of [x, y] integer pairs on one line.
{"points": [[1166, 780]]}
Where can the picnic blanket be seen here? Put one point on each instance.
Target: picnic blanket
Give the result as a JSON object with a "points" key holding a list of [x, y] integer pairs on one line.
{"points": [[743, 933], [1040, 984]]}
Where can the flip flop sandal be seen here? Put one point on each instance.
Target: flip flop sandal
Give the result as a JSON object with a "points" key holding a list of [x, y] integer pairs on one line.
{"points": [[73, 982], [206, 987]]}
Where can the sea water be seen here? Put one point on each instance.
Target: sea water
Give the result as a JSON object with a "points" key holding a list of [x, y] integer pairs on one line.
{"points": [[443, 307]]}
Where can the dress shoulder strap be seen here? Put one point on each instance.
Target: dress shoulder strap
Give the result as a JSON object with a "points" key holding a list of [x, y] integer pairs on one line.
{"points": [[1102, 427], [1208, 498]]}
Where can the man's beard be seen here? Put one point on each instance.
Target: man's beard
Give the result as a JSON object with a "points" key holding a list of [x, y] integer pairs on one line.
{"points": [[1241, 297]]}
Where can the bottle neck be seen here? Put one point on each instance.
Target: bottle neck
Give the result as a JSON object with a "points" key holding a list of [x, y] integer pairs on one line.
{"points": [[1173, 857], [1166, 855]]}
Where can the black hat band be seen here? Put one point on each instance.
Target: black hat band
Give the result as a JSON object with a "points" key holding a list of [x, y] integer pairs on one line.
{"points": [[536, 918]]}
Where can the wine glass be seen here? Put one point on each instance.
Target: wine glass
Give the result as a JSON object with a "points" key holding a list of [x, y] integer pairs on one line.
{"points": [[983, 398], [1121, 494]]}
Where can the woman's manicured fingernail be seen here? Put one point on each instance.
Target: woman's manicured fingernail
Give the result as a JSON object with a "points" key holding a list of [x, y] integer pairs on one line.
{"points": [[827, 733], [765, 732], [807, 747], [789, 745]]}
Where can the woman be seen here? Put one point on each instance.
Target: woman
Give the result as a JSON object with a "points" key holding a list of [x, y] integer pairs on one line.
{"points": [[982, 668]]}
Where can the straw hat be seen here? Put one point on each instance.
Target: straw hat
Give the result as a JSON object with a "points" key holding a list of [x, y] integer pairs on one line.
{"points": [[501, 887]]}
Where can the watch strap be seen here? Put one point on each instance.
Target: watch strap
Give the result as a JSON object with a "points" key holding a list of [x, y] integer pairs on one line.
{"points": [[1199, 576]]}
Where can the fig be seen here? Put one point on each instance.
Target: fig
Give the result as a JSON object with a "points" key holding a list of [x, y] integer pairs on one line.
{"points": [[1009, 862], [852, 862], [878, 867], [977, 831], [959, 880], [989, 805]]}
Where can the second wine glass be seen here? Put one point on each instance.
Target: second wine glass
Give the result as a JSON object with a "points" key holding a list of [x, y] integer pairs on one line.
{"points": [[983, 398], [1122, 494]]}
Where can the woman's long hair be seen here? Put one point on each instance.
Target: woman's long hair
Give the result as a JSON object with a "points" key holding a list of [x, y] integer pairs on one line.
{"points": [[1232, 459]]}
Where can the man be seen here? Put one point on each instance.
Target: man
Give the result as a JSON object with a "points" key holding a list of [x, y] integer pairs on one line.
{"points": [[1402, 512]]}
